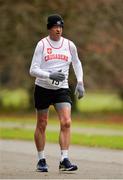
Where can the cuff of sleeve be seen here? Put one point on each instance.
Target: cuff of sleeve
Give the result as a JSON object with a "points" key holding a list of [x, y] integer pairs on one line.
{"points": [[80, 82], [47, 74]]}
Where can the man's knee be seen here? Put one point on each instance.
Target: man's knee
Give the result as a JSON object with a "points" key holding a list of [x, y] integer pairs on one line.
{"points": [[42, 122], [65, 123]]}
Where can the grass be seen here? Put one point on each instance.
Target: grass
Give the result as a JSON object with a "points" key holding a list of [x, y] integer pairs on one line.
{"points": [[77, 121], [114, 142], [92, 102], [78, 138], [14, 99], [100, 102]]}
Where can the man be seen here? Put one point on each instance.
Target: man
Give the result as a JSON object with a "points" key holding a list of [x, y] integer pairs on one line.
{"points": [[50, 65]]}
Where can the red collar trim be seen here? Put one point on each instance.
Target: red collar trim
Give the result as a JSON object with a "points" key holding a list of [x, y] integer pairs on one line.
{"points": [[53, 46]]}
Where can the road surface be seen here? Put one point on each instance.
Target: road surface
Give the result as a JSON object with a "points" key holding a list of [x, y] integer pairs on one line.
{"points": [[18, 161]]}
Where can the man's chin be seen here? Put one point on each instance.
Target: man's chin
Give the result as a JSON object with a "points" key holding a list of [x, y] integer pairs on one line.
{"points": [[58, 36]]}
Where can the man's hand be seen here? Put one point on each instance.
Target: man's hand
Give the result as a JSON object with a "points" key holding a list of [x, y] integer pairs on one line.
{"points": [[57, 76], [79, 91]]}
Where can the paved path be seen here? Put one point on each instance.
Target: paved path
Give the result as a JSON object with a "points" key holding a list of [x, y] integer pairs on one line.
{"points": [[82, 130], [18, 159]]}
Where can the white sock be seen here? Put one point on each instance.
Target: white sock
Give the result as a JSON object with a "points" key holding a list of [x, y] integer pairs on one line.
{"points": [[64, 154], [41, 155]]}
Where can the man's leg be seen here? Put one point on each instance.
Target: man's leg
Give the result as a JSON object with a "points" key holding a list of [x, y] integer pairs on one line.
{"points": [[40, 137], [64, 113], [42, 118]]}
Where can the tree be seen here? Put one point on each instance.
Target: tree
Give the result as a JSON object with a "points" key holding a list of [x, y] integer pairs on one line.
{"points": [[95, 26]]}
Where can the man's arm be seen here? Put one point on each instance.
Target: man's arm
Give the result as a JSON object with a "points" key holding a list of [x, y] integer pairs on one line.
{"points": [[35, 69], [77, 66]]}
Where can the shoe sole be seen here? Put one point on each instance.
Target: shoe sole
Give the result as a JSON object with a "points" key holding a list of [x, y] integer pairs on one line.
{"points": [[44, 170], [68, 169]]}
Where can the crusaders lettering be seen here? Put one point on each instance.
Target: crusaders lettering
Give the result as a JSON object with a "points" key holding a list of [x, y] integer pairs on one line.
{"points": [[56, 56]]}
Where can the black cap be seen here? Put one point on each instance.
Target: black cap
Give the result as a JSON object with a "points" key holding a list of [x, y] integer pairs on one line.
{"points": [[54, 19]]}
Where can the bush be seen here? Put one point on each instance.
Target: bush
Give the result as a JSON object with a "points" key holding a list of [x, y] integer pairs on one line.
{"points": [[14, 99]]}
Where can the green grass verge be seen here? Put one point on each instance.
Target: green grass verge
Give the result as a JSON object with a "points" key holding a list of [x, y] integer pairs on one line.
{"points": [[18, 99], [114, 142], [77, 121], [100, 102], [14, 99]]}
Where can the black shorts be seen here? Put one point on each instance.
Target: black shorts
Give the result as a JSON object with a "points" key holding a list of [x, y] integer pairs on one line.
{"points": [[45, 97]]}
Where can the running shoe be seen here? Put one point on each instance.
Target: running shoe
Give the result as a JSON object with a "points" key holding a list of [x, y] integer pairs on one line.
{"points": [[42, 166], [66, 165]]}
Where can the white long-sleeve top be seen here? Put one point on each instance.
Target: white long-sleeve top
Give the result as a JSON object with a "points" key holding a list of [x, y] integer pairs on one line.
{"points": [[52, 56]]}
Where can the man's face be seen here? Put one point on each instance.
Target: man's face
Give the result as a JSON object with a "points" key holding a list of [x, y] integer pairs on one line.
{"points": [[55, 33]]}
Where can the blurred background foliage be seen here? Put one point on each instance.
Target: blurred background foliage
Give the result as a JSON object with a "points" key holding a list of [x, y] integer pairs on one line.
{"points": [[96, 27]]}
